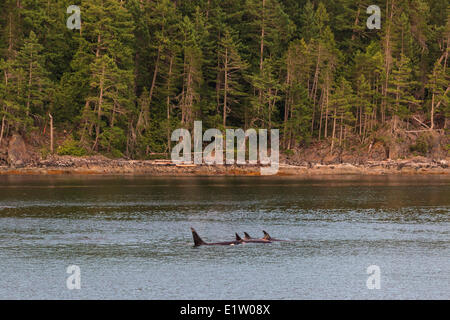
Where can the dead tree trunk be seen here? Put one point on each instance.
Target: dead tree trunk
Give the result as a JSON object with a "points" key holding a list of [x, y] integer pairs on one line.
{"points": [[51, 132]]}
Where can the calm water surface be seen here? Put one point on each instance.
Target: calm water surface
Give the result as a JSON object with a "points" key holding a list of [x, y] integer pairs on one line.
{"points": [[130, 236]]}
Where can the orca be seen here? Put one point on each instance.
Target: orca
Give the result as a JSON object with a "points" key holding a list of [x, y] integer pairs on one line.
{"points": [[269, 238], [199, 242], [247, 236], [248, 239]]}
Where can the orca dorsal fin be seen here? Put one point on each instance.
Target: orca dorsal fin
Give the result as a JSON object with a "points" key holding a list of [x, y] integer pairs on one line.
{"points": [[266, 236], [247, 236], [197, 240], [238, 238]]}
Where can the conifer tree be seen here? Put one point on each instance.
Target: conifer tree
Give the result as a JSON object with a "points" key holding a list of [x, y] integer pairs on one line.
{"points": [[29, 63], [341, 101], [107, 38], [439, 86], [399, 89], [231, 66]]}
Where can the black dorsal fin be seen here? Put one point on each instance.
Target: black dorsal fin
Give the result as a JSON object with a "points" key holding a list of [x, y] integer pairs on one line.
{"points": [[266, 236], [238, 238], [197, 240], [247, 236]]}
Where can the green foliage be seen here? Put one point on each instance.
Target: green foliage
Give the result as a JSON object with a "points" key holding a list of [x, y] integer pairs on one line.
{"points": [[447, 148], [422, 145], [289, 152], [45, 152], [384, 139], [71, 147], [139, 69]]}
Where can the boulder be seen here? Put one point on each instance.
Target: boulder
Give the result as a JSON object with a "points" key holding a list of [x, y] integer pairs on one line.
{"points": [[17, 151]]}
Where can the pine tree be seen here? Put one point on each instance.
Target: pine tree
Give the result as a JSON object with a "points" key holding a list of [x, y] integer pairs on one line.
{"points": [[10, 26], [25, 87], [193, 36], [399, 89], [271, 26], [47, 20], [438, 85], [107, 34], [299, 63], [341, 101], [364, 105], [157, 60], [231, 67], [30, 63], [12, 112]]}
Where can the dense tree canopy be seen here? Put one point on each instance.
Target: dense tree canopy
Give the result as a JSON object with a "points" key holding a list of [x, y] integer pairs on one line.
{"points": [[138, 69]]}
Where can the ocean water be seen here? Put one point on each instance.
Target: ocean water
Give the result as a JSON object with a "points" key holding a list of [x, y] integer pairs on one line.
{"points": [[131, 239]]}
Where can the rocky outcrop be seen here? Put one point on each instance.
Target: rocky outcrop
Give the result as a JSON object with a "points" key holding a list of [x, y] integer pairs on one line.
{"points": [[17, 152]]}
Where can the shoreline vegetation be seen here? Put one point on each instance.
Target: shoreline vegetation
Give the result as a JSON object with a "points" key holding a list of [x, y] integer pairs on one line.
{"points": [[121, 76], [99, 165]]}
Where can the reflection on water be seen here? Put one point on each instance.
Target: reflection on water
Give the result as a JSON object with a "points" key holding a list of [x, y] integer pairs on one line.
{"points": [[131, 238]]}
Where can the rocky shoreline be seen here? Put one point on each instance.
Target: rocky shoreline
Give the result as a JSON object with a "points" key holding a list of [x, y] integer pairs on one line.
{"points": [[99, 165], [17, 159]]}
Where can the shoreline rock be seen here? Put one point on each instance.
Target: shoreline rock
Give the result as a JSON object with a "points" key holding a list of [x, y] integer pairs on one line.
{"points": [[17, 154], [99, 165]]}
